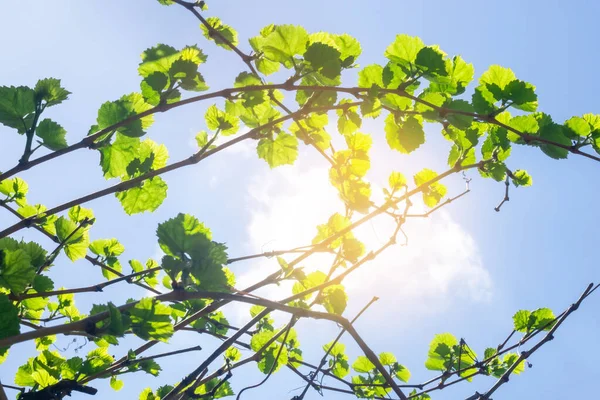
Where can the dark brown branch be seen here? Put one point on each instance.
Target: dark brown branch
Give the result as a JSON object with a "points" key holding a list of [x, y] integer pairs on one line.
{"points": [[506, 198]]}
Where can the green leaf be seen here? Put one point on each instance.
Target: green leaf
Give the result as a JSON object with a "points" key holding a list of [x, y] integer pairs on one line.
{"points": [[251, 98], [310, 281], [434, 192], [116, 383], [36, 253], [185, 72], [161, 57], [233, 354], [9, 323], [363, 365], [115, 158], [348, 47], [440, 351], [15, 188], [111, 113], [311, 130], [396, 181], [225, 31], [44, 343], [349, 121], [526, 321], [352, 249], [334, 299], [152, 87], [284, 42], [180, 235], [151, 320], [184, 235], [201, 139], [96, 360], [404, 50], [16, 106], [50, 91], [260, 339], [16, 270], [387, 358], [324, 59], [279, 151], [483, 101], [337, 350], [81, 215], [341, 366], [578, 126], [223, 390], [147, 197], [459, 120], [371, 75], [554, 133], [511, 358], [401, 372], [459, 75], [52, 134], [431, 61], [542, 318], [497, 75], [335, 224], [43, 378], [150, 278], [220, 120], [76, 239], [523, 123], [521, 94], [521, 178], [107, 247], [42, 283], [404, 135], [393, 75]]}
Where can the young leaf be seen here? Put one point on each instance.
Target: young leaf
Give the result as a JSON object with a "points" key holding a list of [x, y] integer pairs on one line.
{"points": [[52, 134], [279, 151], [404, 135], [151, 320], [218, 30], [363, 365], [434, 192], [284, 42], [147, 197], [50, 91], [16, 106], [220, 120], [521, 178], [16, 271], [404, 51]]}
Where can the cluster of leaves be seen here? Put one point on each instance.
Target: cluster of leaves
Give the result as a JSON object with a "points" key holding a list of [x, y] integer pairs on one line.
{"points": [[417, 84], [49, 367], [21, 108], [274, 353], [370, 382], [193, 260]]}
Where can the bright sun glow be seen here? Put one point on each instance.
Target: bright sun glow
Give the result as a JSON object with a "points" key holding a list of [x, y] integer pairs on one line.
{"points": [[440, 263]]}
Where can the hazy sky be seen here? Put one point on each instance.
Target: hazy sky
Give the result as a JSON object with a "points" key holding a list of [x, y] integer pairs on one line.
{"points": [[466, 270]]}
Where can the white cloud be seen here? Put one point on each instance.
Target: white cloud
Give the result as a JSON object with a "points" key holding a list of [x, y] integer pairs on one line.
{"points": [[440, 265]]}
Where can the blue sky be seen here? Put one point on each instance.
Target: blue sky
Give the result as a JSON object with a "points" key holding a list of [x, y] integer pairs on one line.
{"points": [[466, 270]]}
